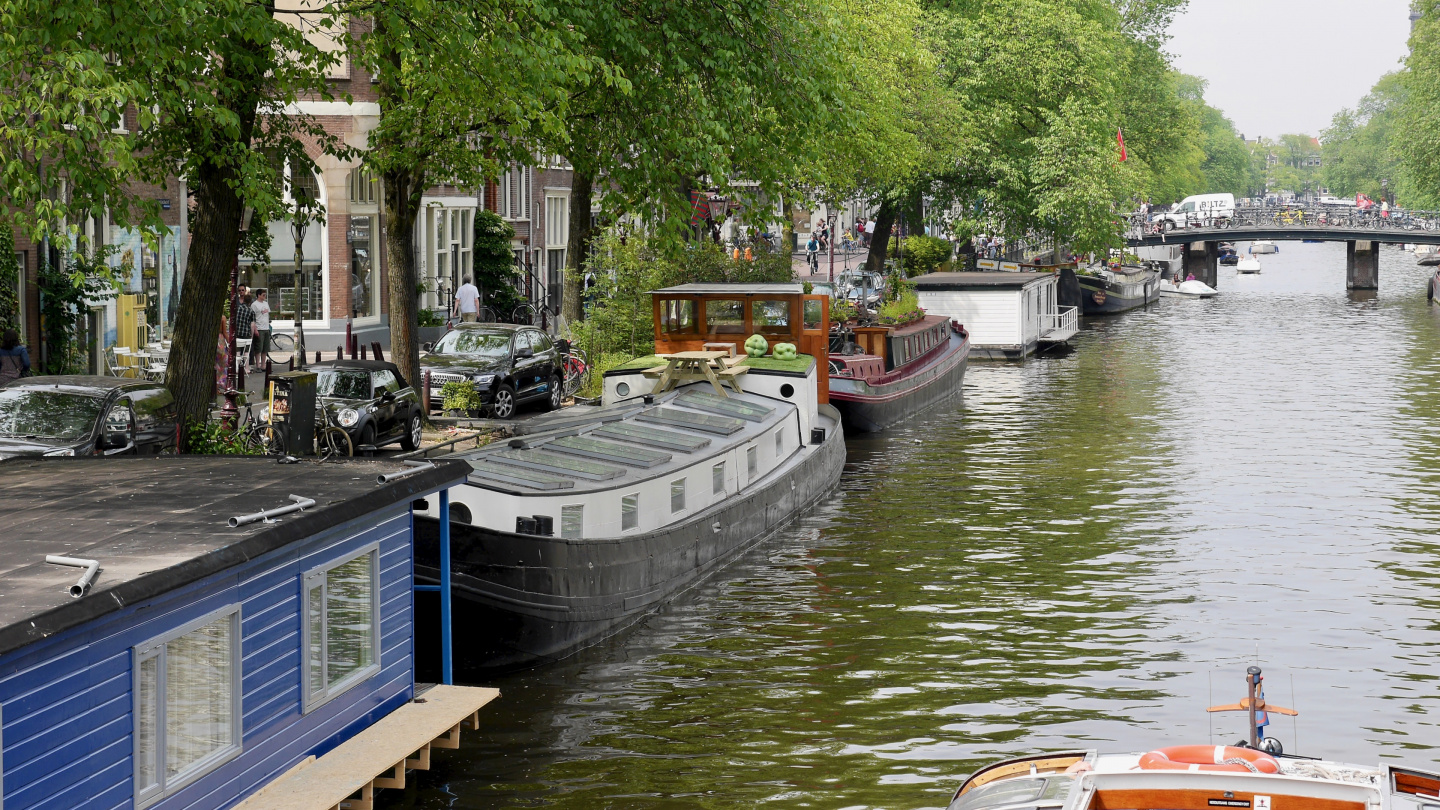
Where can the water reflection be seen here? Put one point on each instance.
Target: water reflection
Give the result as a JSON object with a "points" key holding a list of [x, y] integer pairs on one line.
{"points": [[1086, 551]]}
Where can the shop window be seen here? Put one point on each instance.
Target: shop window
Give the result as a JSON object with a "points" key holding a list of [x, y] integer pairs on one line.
{"points": [[572, 522], [770, 317], [724, 316], [717, 479], [187, 704], [342, 628], [630, 512], [364, 285], [677, 316], [677, 496]]}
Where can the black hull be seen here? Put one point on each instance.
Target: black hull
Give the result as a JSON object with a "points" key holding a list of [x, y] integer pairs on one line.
{"points": [[1110, 301], [522, 600], [883, 406]]}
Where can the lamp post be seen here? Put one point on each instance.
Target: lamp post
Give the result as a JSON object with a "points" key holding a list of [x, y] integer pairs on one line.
{"points": [[230, 412], [297, 230]]}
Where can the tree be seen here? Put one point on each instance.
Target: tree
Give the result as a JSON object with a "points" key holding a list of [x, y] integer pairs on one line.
{"points": [[1359, 148], [1419, 130], [495, 270]]}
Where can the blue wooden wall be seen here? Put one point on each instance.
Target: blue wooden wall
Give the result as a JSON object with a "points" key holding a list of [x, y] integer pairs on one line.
{"points": [[66, 701]]}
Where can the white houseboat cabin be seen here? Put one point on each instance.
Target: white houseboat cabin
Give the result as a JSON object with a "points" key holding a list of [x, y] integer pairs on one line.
{"points": [[1008, 315]]}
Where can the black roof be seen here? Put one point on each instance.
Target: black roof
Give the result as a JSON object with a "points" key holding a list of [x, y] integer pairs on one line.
{"points": [[157, 524], [368, 365], [498, 327], [95, 382]]}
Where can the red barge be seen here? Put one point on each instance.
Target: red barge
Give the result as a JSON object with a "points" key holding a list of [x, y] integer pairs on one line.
{"points": [[880, 375]]}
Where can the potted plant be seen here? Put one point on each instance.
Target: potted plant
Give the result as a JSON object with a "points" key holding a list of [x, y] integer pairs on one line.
{"points": [[461, 399]]}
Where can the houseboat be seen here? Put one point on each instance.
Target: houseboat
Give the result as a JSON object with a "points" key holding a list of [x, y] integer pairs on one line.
{"points": [[1117, 288], [1008, 315], [592, 519], [184, 631], [883, 374], [1253, 775]]}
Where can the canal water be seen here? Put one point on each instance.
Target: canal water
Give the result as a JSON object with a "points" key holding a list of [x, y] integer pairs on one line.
{"points": [[1085, 551]]}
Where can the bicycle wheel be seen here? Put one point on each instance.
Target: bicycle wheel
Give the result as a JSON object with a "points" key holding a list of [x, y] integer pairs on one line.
{"points": [[282, 342], [264, 440], [335, 441]]}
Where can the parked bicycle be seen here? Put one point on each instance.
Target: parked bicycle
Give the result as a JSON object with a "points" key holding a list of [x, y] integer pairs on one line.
{"points": [[331, 440], [258, 436], [577, 372]]}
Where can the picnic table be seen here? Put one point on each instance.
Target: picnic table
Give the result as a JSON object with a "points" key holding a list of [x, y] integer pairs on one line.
{"points": [[707, 366]]}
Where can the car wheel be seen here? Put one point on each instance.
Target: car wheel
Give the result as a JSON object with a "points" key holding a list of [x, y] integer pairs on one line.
{"points": [[557, 394], [411, 441], [502, 404], [1166, 226], [367, 437]]}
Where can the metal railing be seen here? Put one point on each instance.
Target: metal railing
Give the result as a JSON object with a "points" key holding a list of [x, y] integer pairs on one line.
{"points": [[1328, 217], [1062, 325]]}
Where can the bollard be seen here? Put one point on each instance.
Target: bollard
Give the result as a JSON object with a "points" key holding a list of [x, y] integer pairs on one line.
{"points": [[348, 339], [362, 351], [425, 392], [339, 353], [268, 371], [317, 355], [375, 351]]}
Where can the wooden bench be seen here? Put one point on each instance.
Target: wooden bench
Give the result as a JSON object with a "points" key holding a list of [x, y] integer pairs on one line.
{"points": [[732, 375], [346, 778]]}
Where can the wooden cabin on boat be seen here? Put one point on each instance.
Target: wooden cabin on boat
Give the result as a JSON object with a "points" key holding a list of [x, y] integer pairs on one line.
{"points": [[186, 652], [1008, 315]]}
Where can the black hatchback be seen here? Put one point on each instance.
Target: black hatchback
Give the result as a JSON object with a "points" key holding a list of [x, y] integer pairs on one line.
{"points": [[370, 400], [508, 365], [76, 415]]}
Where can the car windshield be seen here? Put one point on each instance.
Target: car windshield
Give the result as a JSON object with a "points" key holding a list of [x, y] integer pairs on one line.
{"points": [[32, 414], [471, 341], [343, 383]]}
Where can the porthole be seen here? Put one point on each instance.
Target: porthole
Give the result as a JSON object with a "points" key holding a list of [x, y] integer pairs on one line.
{"points": [[459, 513], [787, 390], [622, 389]]}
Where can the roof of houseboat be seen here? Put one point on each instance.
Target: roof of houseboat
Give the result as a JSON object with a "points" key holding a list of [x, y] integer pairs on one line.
{"points": [[977, 280], [626, 442], [156, 524], [732, 289]]}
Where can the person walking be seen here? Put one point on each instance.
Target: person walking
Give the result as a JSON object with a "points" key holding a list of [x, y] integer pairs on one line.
{"points": [[467, 302], [260, 346], [14, 358]]}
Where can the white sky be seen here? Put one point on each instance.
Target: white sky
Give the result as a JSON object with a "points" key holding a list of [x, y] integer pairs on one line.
{"points": [[1278, 66]]}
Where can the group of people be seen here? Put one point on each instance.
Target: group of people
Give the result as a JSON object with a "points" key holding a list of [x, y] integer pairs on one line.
{"points": [[252, 321]]}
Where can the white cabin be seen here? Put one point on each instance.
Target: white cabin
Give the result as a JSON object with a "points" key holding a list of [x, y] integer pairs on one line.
{"points": [[1008, 315]]}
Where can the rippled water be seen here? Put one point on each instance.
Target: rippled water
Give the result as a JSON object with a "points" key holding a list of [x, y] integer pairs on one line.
{"points": [[1084, 552]]}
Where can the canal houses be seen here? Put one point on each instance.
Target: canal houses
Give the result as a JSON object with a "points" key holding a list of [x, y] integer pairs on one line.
{"points": [[179, 632], [1009, 315]]}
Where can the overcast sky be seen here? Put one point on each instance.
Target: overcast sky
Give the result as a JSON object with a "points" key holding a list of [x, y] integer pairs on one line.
{"points": [[1278, 66]]}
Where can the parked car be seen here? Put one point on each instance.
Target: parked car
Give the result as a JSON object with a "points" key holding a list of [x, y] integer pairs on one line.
{"points": [[370, 400], [508, 364], [80, 415]]}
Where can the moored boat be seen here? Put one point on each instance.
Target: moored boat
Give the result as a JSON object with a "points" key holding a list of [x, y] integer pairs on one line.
{"points": [[884, 374], [1106, 291], [597, 516], [1248, 266], [1263, 247], [1190, 288]]}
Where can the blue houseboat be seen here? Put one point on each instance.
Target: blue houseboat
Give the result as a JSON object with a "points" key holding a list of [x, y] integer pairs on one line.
{"points": [[179, 649]]}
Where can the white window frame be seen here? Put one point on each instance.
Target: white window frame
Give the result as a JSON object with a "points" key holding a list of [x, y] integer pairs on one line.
{"points": [[580, 535], [779, 444], [153, 648], [309, 700], [678, 486], [717, 468], [635, 512], [752, 462]]}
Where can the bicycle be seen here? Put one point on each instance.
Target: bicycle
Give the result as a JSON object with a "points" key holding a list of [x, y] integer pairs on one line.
{"points": [[332, 440], [259, 438], [577, 373]]}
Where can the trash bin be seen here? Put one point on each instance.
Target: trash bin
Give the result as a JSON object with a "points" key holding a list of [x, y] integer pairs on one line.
{"points": [[293, 411]]}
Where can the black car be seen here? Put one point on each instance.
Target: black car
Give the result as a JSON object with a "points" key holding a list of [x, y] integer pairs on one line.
{"points": [[371, 400], [75, 415], [508, 364]]}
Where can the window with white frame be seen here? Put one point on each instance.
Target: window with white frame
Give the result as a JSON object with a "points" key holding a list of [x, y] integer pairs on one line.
{"points": [[342, 626], [187, 703], [572, 521], [677, 495], [779, 444], [514, 193], [717, 479], [752, 461], [630, 511]]}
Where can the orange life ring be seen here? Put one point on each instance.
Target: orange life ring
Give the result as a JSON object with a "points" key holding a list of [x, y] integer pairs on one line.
{"points": [[1209, 758]]}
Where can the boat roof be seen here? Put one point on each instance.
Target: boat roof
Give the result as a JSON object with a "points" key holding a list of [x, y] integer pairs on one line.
{"points": [[624, 443], [978, 280], [156, 524], [732, 289]]}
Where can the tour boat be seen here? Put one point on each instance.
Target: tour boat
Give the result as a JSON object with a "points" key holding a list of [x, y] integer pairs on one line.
{"points": [[883, 374], [1192, 288], [1251, 776], [595, 516], [1105, 290], [1263, 246], [1248, 266], [1227, 254]]}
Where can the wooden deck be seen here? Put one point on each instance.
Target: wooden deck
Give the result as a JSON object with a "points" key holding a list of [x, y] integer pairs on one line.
{"points": [[346, 778]]}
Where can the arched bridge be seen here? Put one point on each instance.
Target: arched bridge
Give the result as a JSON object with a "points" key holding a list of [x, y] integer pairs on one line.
{"points": [[1363, 235]]}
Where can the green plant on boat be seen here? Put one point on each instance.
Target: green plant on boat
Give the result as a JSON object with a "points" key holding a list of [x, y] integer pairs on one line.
{"points": [[904, 307], [841, 311], [461, 396]]}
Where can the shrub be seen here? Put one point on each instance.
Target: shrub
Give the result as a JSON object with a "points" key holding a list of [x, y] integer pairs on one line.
{"points": [[211, 438], [924, 254], [461, 396]]}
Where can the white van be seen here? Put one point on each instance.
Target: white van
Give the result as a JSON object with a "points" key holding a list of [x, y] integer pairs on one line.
{"points": [[1199, 210]]}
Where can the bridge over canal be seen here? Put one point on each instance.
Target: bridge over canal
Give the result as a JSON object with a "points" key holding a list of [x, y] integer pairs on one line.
{"points": [[1362, 254]]}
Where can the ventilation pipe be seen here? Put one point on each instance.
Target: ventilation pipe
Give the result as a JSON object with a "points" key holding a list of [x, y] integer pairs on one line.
{"points": [[82, 586], [299, 504], [415, 467]]}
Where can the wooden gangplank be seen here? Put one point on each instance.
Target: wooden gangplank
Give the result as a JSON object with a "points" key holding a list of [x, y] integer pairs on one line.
{"points": [[346, 778]]}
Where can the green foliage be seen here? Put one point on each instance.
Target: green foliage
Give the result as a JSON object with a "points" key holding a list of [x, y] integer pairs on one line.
{"points": [[1361, 147], [461, 396], [427, 317], [842, 311], [212, 438], [63, 301], [924, 254], [10, 304], [495, 272], [595, 383], [904, 309]]}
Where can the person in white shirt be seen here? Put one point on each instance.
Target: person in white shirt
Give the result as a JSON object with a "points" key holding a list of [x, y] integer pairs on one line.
{"points": [[260, 346], [467, 302]]}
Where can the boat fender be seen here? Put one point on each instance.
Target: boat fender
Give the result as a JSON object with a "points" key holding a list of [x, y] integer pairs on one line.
{"points": [[1223, 758]]}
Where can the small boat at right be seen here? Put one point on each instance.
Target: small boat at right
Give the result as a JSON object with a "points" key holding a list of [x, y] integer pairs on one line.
{"points": [[1190, 288], [1248, 266], [1262, 247]]}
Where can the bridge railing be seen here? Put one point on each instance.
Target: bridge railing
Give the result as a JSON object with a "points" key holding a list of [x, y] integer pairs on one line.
{"points": [[1328, 217]]}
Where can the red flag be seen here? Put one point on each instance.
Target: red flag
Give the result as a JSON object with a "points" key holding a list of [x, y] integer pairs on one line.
{"points": [[1120, 136]]}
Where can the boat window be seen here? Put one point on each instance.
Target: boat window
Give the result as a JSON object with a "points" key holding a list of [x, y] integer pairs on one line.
{"points": [[1044, 792], [770, 317], [677, 316], [726, 316], [814, 315], [652, 437], [626, 454], [561, 463], [722, 425], [630, 511], [779, 444], [717, 479], [724, 406], [341, 638], [572, 521], [677, 495], [752, 462]]}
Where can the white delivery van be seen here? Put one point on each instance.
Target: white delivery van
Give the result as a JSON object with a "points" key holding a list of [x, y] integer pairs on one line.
{"points": [[1197, 211]]}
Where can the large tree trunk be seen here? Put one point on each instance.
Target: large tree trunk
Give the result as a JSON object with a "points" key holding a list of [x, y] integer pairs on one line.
{"points": [[401, 211], [880, 241], [577, 252]]}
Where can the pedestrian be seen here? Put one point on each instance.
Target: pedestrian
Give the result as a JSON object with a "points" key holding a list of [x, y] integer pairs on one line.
{"points": [[260, 347], [14, 359], [245, 322], [467, 302]]}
